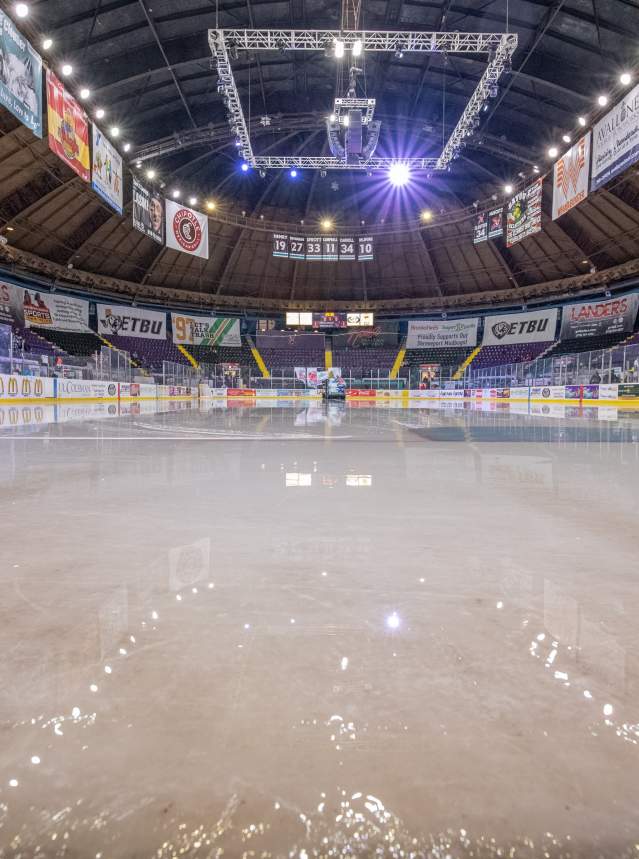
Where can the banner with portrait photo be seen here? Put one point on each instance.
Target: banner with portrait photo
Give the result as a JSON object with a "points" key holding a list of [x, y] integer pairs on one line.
{"points": [[205, 330], [55, 311], [11, 298], [148, 212], [107, 170], [186, 230], [523, 214], [68, 128], [496, 223], [615, 140], [480, 228], [20, 76], [570, 177]]}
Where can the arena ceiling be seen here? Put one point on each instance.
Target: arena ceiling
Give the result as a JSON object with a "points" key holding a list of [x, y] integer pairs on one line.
{"points": [[148, 64]]}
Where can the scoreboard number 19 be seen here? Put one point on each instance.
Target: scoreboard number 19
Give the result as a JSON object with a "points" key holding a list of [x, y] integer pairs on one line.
{"points": [[326, 248]]}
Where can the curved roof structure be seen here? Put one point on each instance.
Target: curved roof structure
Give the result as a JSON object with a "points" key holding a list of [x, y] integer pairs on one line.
{"points": [[149, 66]]}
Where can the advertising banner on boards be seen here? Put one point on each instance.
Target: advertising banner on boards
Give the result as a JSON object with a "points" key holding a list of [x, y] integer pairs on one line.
{"points": [[205, 330], [535, 326], [186, 230], [107, 170], [131, 322], [571, 177], [68, 128], [598, 318], [54, 310], [429, 333], [148, 212], [615, 140], [20, 76], [523, 214]]}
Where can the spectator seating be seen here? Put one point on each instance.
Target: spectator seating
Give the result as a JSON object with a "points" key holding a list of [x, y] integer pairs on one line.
{"points": [[587, 344], [294, 357], [33, 344], [73, 343], [364, 359], [149, 354], [444, 356], [516, 353]]}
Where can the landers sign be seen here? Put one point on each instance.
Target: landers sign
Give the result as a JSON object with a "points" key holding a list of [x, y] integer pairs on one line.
{"points": [[598, 318]]}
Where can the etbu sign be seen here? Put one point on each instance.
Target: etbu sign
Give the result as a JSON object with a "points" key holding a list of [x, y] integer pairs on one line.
{"points": [[534, 327]]}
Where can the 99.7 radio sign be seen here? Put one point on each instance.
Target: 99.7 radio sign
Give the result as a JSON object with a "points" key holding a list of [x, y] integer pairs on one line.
{"points": [[323, 248]]}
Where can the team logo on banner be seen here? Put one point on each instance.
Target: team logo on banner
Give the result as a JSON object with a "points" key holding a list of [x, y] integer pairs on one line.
{"points": [[131, 322], [20, 76], [532, 327], [524, 214], [68, 128], [187, 230], [570, 183]]}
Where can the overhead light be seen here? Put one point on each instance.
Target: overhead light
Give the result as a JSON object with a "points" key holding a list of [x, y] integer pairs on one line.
{"points": [[426, 215], [535, 169], [508, 188], [210, 205], [293, 173], [67, 69], [327, 224], [399, 174], [115, 131], [192, 201], [332, 117], [625, 78], [10, 229], [175, 194], [127, 147], [339, 49], [244, 167], [346, 120], [399, 53], [22, 10], [566, 138], [138, 164], [85, 93], [553, 152], [47, 44], [582, 121], [602, 101], [100, 113], [150, 174], [357, 48]]}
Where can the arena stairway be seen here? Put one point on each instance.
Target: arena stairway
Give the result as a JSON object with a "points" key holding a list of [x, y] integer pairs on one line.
{"points": [[188, 356], [399, 360], [257, 357]]}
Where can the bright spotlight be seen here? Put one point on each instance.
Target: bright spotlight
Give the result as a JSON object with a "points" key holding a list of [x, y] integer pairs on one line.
{"points": [[47, 44], [339, 49], [210, 205], [293, 173], [332, 117], [582, 121], [100, 112], [602, 101], [357, 48], [327, 224], [535, 169], [67, 69], [625, 78], [150, 174], [393, 621], [426, 215], [85, 93], [175, 194], [553, 152], [566, 138], [22, 10], [115, 131], [192, 201], [244, 168], [508, 189], [127, 147], [346, 120], [399, 174]]}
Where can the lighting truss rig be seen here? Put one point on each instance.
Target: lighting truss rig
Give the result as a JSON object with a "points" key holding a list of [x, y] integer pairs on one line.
{"points": [[498, 46]]}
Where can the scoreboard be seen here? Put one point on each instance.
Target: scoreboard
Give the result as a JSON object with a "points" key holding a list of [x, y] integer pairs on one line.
{"points": [[323, 248], [330, 320]]}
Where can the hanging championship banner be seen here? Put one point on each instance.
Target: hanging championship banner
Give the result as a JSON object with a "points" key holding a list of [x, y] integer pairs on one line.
{"points": [[148, 212], [280, 245], [54, 310], [480, 228], [20, 76], [131, 322], [107, 170], [523, 215], [570, 177], [187, 230], [533, 327], [68, 128], [205, 330], [615, 140], [427, 334], [599, 318], [496, 223]]}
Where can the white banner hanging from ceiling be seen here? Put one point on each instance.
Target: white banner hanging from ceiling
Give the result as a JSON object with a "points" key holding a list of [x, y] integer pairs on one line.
{"points": [[131, 322], [429, 333], [107, 171], [570, 177], [187, 230], [615, 143], [535, 326]]}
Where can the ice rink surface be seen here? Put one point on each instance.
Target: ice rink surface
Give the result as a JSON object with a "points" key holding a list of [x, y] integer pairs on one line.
{"points": [[319, 631]]}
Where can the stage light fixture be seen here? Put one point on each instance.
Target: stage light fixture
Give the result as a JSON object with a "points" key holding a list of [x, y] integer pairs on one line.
{"points": [[22, 10], [625, 78], [399, 174], [85, 93], [150, 174], [426, 215], [244, 167], [192, 201], [100, 113], [346, 120], [399, 54], [210, 205], [535, 169], [553, 152], [357, 48], [327, 224], [47, 44], [602, 101], [339, 49], [114, 131], [582, 121], [293, 173], [508, 188], [332, 117], [67, 70], [566, 138], [127, 147], [175, 194]]}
